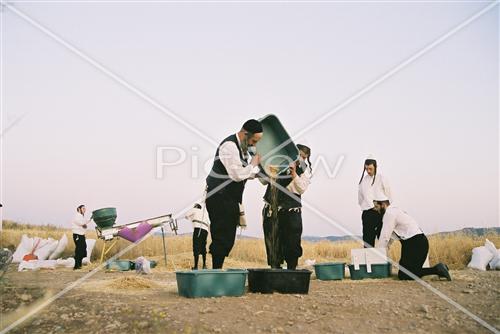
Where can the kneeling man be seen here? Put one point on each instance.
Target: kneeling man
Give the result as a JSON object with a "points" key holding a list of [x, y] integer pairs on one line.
{"points": [[414, 243]]}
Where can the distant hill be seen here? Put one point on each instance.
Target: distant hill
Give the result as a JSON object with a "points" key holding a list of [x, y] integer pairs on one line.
{"points": [[470, 231], [473, 231]]}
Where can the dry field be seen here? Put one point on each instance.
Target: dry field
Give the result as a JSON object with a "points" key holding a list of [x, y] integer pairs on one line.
{"points": [[454, 250]]}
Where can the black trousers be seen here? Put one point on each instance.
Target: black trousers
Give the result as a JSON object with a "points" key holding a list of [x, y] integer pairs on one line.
{"points": [[372, 226], [224, 214], [283, 238], [80, 249], [199, 241], [413, 254]]}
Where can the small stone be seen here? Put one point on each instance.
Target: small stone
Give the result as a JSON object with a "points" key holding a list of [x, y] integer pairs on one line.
{"points": [[290, 323], [25, 297], [468, 291], [143, 324], [65, 316], [424, 308]]}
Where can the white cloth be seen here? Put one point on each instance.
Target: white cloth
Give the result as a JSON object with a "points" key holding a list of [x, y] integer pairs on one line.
{"points": [[229, 155], [367, 192], [199, 218], [398, 222], [77, 224]]}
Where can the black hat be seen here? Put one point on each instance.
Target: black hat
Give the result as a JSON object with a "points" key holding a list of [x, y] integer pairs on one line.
{"points": [[252, 126]]}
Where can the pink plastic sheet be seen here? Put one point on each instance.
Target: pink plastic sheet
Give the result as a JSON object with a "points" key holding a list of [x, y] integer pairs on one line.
{"points": [[135, 234]]}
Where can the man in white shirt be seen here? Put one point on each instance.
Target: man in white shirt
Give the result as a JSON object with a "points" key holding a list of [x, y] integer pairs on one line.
{"points": [[225, 186], [399, 225], [370, 184], [79, 226]]}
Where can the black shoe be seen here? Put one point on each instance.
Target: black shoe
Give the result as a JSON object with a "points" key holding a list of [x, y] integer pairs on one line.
{"points": [[194, 268], [442, 271], [204, 267]]}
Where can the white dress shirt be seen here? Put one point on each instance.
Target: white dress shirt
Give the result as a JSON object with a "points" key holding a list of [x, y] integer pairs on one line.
{"points": [[397, 222], [229, 155], [199, 218], [300, 183], [367, 191], [77, 224]]}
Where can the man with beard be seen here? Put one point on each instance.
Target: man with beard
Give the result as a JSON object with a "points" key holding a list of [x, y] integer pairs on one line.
{"points": [[414, 243], [225, 185]]}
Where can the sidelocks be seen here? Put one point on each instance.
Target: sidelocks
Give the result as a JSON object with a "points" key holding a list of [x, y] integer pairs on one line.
{"points": [[109, 232]]}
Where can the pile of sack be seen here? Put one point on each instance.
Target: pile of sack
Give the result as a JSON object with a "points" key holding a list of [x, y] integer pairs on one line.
{"points": [[485, 256], [36, 253]]}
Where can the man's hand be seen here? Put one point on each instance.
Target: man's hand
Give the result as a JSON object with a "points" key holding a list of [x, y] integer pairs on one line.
{"points": [[255, 160]]}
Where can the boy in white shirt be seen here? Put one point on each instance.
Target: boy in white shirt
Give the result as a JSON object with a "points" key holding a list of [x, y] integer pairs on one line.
{"points": [[199, 218], [371, 183]]}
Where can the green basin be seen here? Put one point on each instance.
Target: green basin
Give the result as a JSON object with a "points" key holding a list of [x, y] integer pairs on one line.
{"points": [[329, 271], [104, 218], [378, 271], [211, 283], [275, 136]]}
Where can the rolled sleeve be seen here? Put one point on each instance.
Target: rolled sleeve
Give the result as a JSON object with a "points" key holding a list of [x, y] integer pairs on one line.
{"points": [[389, 223], [229, 155]]}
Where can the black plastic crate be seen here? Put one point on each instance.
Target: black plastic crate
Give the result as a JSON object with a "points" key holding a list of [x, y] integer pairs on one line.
{"points": [[279, 280]]}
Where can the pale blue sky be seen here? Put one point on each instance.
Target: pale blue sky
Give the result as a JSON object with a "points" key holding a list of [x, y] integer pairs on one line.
{"points": [[85, 139]]}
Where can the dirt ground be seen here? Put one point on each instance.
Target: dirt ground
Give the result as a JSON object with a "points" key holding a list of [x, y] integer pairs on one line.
{"points": [[368, 306]]}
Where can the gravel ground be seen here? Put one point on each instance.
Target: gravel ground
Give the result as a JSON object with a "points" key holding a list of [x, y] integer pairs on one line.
{"points": [[368, 306]]}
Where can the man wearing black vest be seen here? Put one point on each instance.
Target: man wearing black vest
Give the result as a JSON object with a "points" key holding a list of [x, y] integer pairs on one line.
{"points": [[225, 185]]}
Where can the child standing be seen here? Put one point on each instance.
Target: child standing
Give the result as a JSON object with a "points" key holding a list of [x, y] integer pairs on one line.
{"points": [[199, 218]]}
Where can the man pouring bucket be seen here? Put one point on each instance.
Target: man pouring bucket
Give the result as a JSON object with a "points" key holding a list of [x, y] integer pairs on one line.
{"points": [[225, 186]]}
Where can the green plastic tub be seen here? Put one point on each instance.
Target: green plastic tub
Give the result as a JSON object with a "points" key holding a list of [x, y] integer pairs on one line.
{"points": [[211, 283], [119, 265], [329, 271], [104, 218], [378, 271], [274, 136]]}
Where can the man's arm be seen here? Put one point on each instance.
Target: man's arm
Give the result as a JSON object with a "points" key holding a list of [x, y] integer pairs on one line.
{"points": [[389, 223], [230, 158]]}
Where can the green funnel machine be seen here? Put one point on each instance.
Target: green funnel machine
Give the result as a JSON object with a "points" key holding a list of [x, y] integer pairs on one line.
{"points": [[134, 232]]}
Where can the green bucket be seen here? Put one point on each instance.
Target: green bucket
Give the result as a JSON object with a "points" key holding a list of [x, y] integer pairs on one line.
{"points": [[104, 218], [211, 283], [377, 271], [329, 271], [274, 136]]}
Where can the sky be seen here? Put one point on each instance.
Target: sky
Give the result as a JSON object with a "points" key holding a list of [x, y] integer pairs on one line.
{"points": [[192, 73]]}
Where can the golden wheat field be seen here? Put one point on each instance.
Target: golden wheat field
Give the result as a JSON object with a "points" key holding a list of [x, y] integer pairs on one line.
{"points": [[454, 250]]}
